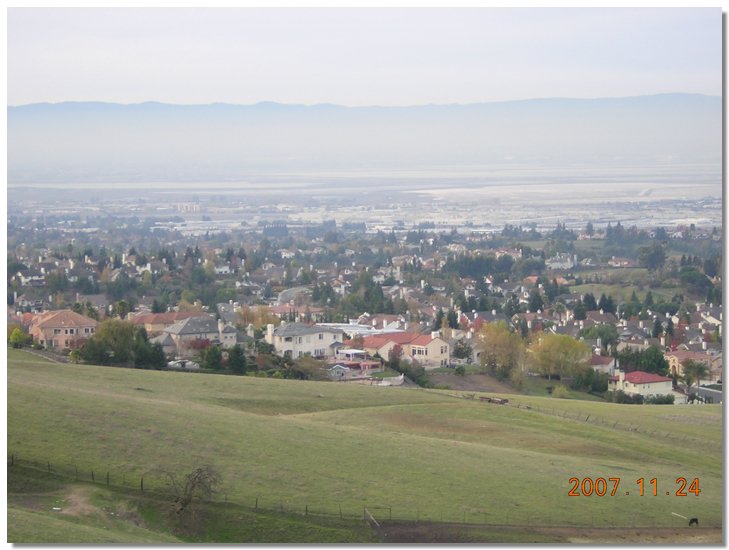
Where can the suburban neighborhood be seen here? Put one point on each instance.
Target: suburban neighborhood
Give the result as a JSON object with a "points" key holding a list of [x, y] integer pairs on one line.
{"points": [[360, 300]]}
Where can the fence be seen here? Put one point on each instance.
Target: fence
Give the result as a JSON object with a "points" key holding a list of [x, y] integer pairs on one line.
{"points": [[158, 485]]}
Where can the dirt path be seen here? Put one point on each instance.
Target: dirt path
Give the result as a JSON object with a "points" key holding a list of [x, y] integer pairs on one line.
{"points": [[77, 503]]}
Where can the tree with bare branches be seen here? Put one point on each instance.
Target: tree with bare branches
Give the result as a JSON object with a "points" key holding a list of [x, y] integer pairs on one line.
{"points": [[201, 483]]}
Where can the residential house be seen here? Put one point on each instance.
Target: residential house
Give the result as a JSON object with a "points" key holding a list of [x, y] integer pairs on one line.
{"points": [[190, 332], [713, 362], [165, 340], [154, 323], [639, 382], [561, 261], [383, 321], [429, 350], [298, 339], [62, 329], [603, 363], [474, 320]]}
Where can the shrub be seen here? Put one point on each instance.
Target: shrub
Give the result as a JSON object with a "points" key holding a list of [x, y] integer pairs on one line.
{"points": [[621, 397], [560, 392], [660, 399]]}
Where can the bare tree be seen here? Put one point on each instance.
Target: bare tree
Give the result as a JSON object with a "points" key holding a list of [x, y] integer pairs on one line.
{"points": [[202, 482]]}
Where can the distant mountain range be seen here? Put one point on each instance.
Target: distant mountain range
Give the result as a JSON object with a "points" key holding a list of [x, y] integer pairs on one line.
{"points": [[89, 141]]}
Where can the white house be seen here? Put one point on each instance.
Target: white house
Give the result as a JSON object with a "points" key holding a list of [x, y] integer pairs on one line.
{"points": [[298, 339], [639, 382]]}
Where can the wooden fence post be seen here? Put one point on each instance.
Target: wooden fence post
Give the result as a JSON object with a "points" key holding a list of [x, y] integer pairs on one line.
{"points": [[49, 466], [141, 483], [92, 475]]}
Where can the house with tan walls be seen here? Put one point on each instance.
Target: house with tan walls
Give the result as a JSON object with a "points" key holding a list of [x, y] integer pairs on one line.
{"points": [[62, 329], [429, 350]]}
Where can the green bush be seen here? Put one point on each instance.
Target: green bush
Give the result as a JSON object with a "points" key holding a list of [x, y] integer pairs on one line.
{"points": [[560, 392], [621, 397], [660, 399]]}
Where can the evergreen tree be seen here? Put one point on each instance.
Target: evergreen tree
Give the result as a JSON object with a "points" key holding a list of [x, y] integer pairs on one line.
{"points": [[237, 360], [213, 358]]}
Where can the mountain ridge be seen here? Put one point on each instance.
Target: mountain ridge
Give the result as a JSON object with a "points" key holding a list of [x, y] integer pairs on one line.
{"points": [[267, 103], [83, 141]]}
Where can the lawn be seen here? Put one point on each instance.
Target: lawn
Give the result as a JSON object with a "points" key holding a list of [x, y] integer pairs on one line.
{"points": [[408, 453]]}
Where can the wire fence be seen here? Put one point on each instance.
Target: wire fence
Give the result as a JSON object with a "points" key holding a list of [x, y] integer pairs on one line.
{"points": [[158, 485]]}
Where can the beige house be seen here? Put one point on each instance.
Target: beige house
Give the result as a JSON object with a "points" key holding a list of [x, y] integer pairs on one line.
{"points": [[298, 339], [429, 350], [62, 329], [640, 382], [713, 362]]}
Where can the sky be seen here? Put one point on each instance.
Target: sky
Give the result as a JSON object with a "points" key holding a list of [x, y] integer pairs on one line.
{"points": [[356, 56]]}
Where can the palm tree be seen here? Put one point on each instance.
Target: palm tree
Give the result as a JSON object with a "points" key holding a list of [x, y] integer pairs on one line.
{"points": [[694, 370]]}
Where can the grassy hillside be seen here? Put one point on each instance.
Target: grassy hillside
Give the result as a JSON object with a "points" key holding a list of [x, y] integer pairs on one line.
{"points": [[414, 454]]}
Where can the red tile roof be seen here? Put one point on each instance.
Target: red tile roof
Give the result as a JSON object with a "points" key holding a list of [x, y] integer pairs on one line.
{"points": [[379, 340], [601, 359], [641, 377]]}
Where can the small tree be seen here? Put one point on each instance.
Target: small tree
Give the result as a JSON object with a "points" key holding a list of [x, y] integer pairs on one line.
{"points": [[237, 360], [213, 358], [394, 357], [18, 338], [201, 483], [462, 349]]}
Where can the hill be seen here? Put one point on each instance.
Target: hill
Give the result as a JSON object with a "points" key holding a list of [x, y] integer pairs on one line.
{"points": [[103, 142], [331, 448]]}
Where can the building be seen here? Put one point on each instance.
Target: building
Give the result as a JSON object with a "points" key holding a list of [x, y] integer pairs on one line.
{"points": [[62, 329], [338, 372], [298, 339], [154, 323], [188, 333], [713, 362], [639, 382], [429, 350]]}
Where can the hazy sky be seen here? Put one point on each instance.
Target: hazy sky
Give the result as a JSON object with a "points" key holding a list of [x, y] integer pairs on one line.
{"points": [[352, 56]]}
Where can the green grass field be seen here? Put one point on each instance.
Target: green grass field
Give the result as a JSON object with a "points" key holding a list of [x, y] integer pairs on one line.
{"points": [[412, 453]]}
